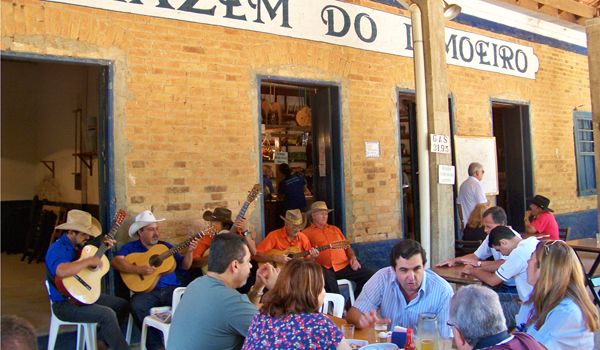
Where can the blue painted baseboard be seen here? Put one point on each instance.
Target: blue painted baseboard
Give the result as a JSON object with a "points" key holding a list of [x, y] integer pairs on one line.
{"points": [[583, 224]]}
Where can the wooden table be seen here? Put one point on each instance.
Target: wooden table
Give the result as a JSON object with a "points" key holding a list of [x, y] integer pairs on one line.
{"points": [[453, 275], [588, 245], [367, 334]]}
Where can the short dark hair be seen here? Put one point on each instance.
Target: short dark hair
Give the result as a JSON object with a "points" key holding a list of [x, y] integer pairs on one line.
{"points": [[285, 169], [498, 215], [17, 333], [406, 249], [224, 249], [498, 233]]}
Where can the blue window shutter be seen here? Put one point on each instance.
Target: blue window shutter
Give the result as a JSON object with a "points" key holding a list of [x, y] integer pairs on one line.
{"points": [[584, 153]]}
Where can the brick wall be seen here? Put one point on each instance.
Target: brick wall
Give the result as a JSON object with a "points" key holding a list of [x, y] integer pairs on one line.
{"points": [[186, 109]]}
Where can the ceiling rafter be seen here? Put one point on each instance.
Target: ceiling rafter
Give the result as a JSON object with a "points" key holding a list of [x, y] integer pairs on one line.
{"points": [[575, 11]]}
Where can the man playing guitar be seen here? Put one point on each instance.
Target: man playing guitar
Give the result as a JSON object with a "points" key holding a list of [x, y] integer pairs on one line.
{"points": [[284, 239], [61, 262], [145, 228]]}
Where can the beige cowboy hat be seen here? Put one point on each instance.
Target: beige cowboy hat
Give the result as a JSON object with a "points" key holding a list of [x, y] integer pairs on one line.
{"points": [[317, 206], [81, 221], [142, 219], [295, 217]]}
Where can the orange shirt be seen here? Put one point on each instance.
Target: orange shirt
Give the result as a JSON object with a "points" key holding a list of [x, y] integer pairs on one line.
{"points": [[328, 258], [202, 246], [279, 240]]}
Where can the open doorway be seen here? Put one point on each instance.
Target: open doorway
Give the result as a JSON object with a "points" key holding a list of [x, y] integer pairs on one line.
{"points": [[55, 124], [301, 127], [410, 166], [512, 130]]}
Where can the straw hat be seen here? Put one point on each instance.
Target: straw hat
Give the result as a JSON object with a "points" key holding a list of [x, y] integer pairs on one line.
{"points": [[295, 217], [319, 205], [142, 219], [81, 221]]}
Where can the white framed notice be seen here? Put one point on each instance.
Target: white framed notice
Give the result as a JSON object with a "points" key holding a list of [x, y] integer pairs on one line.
{"points": [[482, 150], [446, 174], [372, 149], [281, 157], [439, 143]]}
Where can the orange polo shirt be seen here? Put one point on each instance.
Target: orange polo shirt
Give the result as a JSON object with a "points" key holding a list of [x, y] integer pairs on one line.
{"points": [[202, 246], [329, 258], [279, 239]]}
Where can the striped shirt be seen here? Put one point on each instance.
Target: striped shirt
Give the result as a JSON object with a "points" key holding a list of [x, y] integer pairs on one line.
{"points": [[382, 293]]}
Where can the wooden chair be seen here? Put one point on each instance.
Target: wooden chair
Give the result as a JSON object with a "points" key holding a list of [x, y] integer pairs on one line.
{"points": [[564, 233]]}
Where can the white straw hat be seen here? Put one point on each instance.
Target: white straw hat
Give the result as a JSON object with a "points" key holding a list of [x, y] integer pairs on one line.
{"points": [[142, 219]]}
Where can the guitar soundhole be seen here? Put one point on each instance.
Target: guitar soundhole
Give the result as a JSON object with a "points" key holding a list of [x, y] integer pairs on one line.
{"points": [[155, 261]]}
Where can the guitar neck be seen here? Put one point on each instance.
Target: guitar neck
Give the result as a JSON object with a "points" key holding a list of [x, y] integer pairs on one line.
{"points": [[306, 252], [239, 216], [111, 234], [183, 244]]}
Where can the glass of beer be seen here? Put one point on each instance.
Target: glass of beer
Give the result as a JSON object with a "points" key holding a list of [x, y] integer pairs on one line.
{"points": [[427, 332], [381, 331]]}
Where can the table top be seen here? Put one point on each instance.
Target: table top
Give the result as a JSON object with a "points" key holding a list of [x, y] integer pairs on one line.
{"points": [[453, 275], [367, 334], [585, 245]]}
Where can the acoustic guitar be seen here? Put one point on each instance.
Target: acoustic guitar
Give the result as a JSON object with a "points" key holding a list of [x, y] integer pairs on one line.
{"points": [[252, 195], [84, 287], [296, 252], [160, 257]]}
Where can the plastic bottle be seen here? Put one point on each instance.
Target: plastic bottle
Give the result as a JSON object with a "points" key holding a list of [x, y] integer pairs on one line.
{"points": [[410, 342]]}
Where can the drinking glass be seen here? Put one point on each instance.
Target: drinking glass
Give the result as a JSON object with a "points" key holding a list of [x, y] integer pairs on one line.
{"points": [[427, 331], [381, 331], [348, 330], [597, 237]]}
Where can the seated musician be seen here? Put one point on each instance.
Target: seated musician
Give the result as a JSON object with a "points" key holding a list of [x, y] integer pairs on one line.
{"points": [[278, 243], [336, 263], [61, 262], [220, 218], [145, 228]]}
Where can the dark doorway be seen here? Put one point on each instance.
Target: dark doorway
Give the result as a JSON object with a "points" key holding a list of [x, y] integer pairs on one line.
{"points": [[410, 166], [301, 126], [513, 149]]}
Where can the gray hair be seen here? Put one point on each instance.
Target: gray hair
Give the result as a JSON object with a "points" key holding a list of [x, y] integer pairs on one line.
{"points": [[476, 313], [474, 167]]}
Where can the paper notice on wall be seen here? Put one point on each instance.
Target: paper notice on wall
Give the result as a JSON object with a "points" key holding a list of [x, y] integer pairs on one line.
{"points": [[446, 174], [281, 157]]}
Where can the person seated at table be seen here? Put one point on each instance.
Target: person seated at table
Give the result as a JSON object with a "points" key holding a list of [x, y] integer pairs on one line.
{"points": [[288, 239], [403, 291], [475, 230], [336, 263], [289, 317], [517, 251], [492, 218], [478, 323], [539, 220], [562, 314], [212, 314]]}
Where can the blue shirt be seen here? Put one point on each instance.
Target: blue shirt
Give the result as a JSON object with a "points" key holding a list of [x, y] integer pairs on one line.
{"points": [[564, 328], [293, 190], [166, 280], [382, 292], [61, 251]]}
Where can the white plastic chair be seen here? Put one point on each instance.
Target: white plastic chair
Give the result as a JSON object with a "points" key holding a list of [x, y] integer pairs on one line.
{"points": [[86, 332], [351, 286], [151, 321], [338, 304]]}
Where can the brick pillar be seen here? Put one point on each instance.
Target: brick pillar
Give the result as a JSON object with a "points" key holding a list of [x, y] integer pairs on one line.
{"points": [[593, 44], [438, 122]]}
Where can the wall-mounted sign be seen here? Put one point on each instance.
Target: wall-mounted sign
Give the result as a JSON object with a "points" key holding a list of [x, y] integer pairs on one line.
{"points": [[336, 23], [372, 149], [439, 143], [446, 174], [281, 157]]}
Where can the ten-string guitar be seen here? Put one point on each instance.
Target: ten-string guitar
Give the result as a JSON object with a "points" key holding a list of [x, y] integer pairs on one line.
{"points": [[295, 252], [160, 257], [84, 286], [252, 195]]}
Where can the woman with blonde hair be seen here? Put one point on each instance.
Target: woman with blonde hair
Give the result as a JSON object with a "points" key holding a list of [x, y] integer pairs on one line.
{"points": [[474, 230], [562, 314], [289, 317]]}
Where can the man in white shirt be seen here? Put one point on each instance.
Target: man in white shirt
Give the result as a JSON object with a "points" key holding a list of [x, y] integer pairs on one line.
{"points": [[470, 193], [517, 251]]}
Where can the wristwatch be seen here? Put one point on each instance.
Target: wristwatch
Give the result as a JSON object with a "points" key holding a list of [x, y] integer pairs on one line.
{"points": [[246, 233], [479, 263]]}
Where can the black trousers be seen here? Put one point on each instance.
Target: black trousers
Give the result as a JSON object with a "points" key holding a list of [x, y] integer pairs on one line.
{"points": [[360, 277], [108, 312]]}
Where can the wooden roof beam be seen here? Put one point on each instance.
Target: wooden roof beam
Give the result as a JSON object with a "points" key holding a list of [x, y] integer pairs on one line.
{"points": [[571, 6]]}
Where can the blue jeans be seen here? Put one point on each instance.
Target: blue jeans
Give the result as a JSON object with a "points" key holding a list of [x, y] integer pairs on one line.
{"points": [[141, 303], [107, 312]]}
